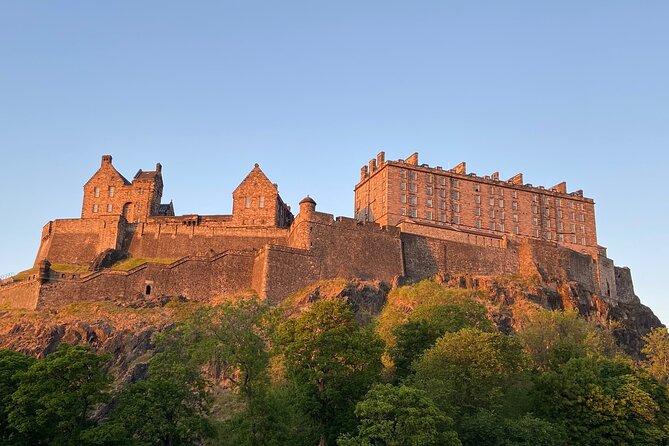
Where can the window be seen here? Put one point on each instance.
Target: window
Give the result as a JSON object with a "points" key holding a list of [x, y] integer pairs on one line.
{"points": [[261, 202], [516, 230], [443, 217], [110, 207], [141, 191], [413, 212], [559, 213], [403, 186], [514, 205], [455, 182], [412, 175], [535, 198], [442, 193], [429, 202], [442, 181], [535, 210], [428, 214], [477, 187], [515, 218], [573, 239], [501, 191], [501, 203], [477, 212], [443, 205], [559, 225], [95, 208], [248, 202], [492, 225], [403, 198], [547, 223], [404, 211], [456, 207], [548, 235], [571, 205], [582, 217], [573, 216], [535, 221], [514, 194], [573, 228], [429, 179], [502, 215], [492, 213], [492, 190], [455, 194], [413, 200], [403, 173], [429, 191], [547, 212], [536, 233], [414, 187], [582, 240], [561, 237], [97, 192], [558, 201], [112, 190], [583, 229], [477, 199], [501, 227], [492, 201], [455, 220], [478, 224]]}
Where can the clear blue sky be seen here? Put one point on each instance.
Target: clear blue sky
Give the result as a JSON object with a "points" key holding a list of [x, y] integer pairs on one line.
{"points": [[560, 90]]}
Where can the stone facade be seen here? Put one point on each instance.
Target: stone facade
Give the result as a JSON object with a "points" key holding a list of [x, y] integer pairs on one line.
{"points": [[390, 192], [264, 248]]}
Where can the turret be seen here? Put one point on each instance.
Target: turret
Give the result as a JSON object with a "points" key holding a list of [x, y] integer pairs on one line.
{"points": [[307, 206]]}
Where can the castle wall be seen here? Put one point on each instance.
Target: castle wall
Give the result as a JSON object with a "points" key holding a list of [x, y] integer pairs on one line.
{"points": [[174, 240], [286, 271], [606, 278], [197, 279], [552, 261], [20, 295], [78, 241]]}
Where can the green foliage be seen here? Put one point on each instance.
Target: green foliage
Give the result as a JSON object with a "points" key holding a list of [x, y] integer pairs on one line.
{"points": [[168, 408], [395, 416], [469, 370], [333, 361], [552, 338], [11, 365], [603, 402], [56, 395], [486, 428], [426, 324], [656, 350]]}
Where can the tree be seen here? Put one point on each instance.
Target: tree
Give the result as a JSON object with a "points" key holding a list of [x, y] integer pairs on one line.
{"points": [[603, 402], [333, 361], [427, 324], [469, 370], [656, 350], [399, 416], [55, 397], [11, 365], [552, 338], [168, 408], [488, 428]]}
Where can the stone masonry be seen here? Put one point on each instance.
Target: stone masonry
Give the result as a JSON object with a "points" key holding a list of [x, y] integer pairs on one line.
{"points": [[411, 222]]}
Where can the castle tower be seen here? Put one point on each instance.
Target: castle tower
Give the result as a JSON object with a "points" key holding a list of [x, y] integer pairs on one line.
{"points": [[256, 202], [110, 194]]}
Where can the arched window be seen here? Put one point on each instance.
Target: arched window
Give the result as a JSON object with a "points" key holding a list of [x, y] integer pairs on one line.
{"points": [[148, 290]]}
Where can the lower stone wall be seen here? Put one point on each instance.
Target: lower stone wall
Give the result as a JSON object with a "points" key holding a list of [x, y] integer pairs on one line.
{"points": [[197, 279], [287, 270], [553, 261], [624, 285], [20, 295]]}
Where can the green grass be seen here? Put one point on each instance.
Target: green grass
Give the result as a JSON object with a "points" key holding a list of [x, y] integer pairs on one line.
{"points": [[66, 268], [128, 264]]}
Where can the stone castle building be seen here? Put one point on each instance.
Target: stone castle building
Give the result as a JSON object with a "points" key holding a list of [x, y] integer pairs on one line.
{"points": [[411, 222]]}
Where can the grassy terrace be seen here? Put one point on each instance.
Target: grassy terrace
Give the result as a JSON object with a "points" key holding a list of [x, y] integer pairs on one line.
{"points": [[128, 264]]}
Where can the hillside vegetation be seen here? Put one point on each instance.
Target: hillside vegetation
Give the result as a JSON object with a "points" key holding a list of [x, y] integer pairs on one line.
{"points": [[339, 363]]}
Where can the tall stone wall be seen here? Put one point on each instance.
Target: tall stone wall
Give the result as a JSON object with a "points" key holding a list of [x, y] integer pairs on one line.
{"points": [[79, 241], [174, 240]]}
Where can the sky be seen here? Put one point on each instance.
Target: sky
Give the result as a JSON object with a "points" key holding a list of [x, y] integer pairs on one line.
{"points": [[574, 91]]}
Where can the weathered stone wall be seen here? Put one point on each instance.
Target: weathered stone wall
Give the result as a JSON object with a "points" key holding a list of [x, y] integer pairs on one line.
{"points": [[286, 271], [624, 285], [556, 262], [606, 277], [170, 238], [79, 241], [196, 278], [20, 295]]}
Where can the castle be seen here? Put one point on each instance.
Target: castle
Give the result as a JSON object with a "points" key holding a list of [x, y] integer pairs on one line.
{"points": [[411, 222]]}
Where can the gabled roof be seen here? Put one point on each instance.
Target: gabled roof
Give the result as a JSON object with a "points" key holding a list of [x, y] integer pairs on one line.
{"points": [[114, 172], [256, 175], [142, 175]]}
